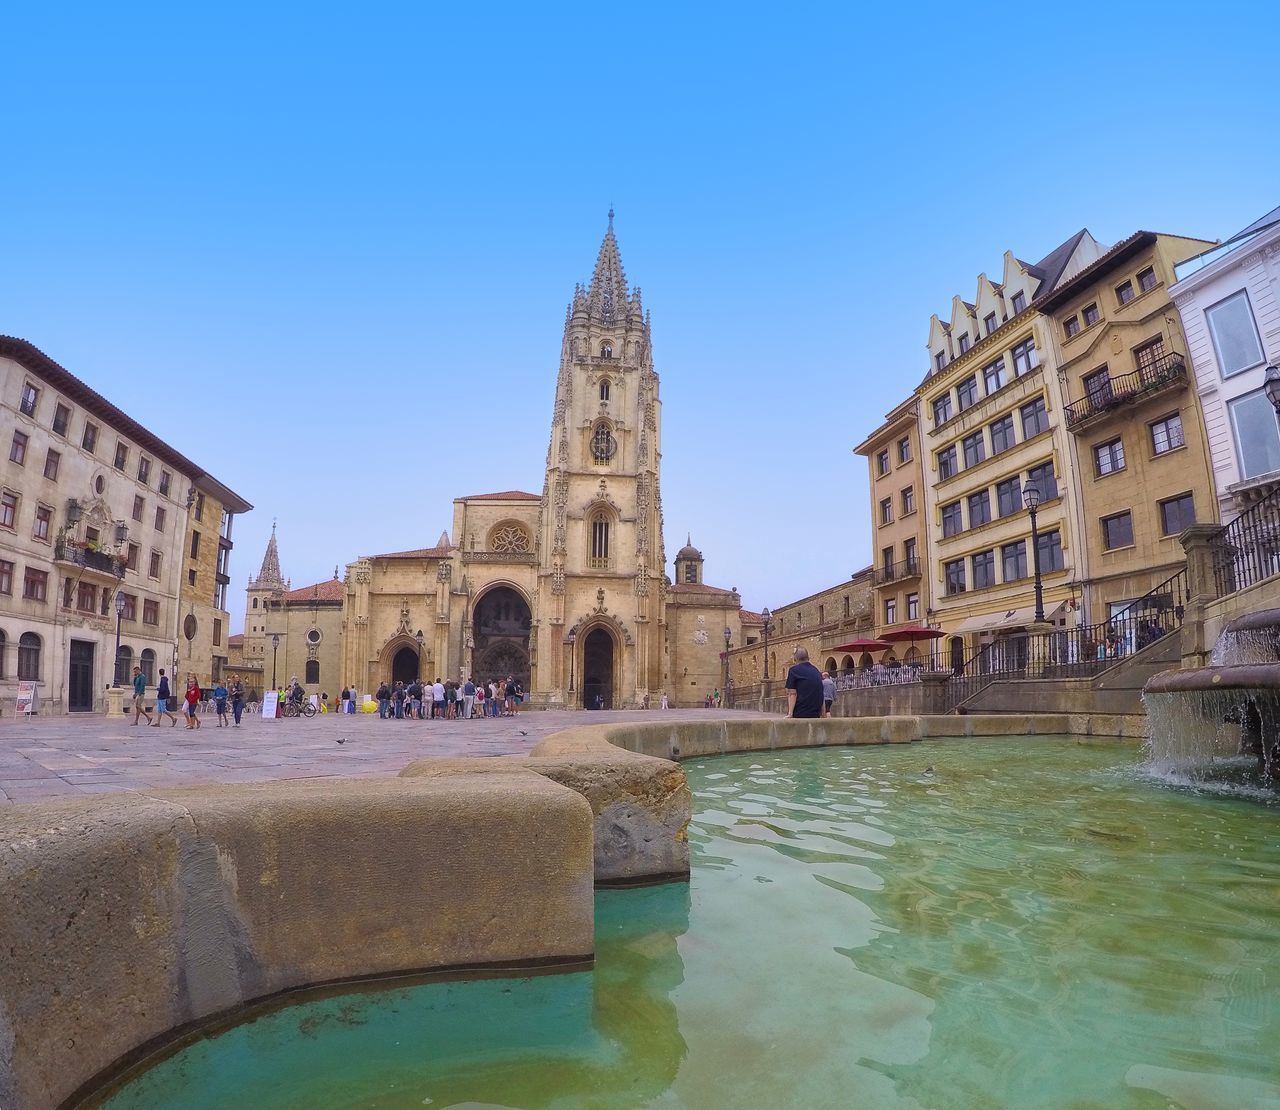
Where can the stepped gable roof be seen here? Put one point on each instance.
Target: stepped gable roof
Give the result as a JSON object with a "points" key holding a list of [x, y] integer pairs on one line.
{"points": [[509, 495], [330, 590]]}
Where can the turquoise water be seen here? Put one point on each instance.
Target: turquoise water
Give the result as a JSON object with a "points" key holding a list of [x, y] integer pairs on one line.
{"points": [[1027, 924]]}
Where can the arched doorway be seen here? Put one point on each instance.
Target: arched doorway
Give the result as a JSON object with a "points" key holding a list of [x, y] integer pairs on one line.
{"points": [[597, 670], [404, 666], [500, 628]]}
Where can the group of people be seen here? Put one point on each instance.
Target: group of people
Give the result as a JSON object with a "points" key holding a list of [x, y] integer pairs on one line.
{"points": [[439, 700], [165, 700]]}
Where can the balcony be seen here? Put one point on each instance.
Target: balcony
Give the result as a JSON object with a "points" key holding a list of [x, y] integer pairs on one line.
{"points": [[78, 555], [1169, 372], [896, 572]]}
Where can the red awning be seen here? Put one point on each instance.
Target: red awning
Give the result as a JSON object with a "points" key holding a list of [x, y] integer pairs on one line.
{"points": [[862, 645], [912, 633]]}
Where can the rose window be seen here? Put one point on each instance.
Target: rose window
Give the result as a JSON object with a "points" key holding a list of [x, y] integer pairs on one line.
{"points": [[510, 539]]}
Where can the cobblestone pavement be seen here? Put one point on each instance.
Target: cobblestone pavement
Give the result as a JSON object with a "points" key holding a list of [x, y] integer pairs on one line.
{"points": [[59, 757]]}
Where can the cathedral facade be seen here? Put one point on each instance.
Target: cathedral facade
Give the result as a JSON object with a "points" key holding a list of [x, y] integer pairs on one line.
{"points": [[566, 590]]}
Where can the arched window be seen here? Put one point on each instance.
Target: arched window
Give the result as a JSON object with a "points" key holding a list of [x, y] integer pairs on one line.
{"points": [[255, 602], [831, 666], [603, 445], [147, 662], [606, 349], [3, 654], [599, 559], [604, 389], [29, 657], [124, 665], [312, 671]]}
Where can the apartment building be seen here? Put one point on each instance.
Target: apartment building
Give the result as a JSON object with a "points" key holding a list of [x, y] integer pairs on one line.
{"points": [[93, 527], [1136, 440]]}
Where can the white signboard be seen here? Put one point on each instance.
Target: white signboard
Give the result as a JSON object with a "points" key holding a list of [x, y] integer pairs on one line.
{"points": [[28, 699], [270, 704]]}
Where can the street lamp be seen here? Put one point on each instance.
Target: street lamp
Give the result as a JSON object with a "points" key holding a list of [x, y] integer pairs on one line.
{"points": [[119, 614], [768, 627], [728, 635], [572, 638], [419, 637], [1031, 498], [1271, 386], [275, 647]]}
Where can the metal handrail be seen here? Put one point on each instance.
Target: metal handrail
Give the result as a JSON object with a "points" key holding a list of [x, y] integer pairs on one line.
{"points": [[1126, 388], [1248, 549], [892, 572], [68, 551]]}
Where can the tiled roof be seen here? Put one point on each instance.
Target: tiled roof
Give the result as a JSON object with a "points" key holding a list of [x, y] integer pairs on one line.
{"points": [[697, 588], [417, 553], [330, 590], [509, 495], [751, 620], [236, 641]]}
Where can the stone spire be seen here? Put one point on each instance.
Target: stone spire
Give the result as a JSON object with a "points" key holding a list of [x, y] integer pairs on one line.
{"points": [[269, 575], [607, 293]]}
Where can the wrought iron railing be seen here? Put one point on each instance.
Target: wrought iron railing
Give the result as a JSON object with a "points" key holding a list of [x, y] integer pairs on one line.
{"points": [[893, 572], [67, 551], [1080, 652], [1248, 549], [1126, 388]]}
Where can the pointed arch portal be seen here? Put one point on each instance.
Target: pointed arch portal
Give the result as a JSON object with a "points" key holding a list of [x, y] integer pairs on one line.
{"points": [[501, 628], [597, 670]]}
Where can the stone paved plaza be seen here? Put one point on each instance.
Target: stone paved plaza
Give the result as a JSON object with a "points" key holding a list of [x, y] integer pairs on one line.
{"points": [[69, 756]]}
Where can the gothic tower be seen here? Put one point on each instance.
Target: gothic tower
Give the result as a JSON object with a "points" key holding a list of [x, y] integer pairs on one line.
{"points": [[601, 592], [263, 598]]}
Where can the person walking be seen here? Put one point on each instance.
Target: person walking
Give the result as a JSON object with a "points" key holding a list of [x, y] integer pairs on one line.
{"points": [[237, 699], [480, 700], [804, 687], [220, 704], [828, 693], [139, 692], [193, 702], [164, 702], [343, 698], [665, 704]]}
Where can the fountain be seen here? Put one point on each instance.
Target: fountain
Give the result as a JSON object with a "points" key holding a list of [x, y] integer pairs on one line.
{"points": [[1203, 719]]}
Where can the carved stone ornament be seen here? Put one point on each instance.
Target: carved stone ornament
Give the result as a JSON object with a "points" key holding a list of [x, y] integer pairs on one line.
{"points": [[510, 539], [700, 637], [362, 621], [403, 627], [600, 608], [557, 578], [444, 572], [702, 621]]}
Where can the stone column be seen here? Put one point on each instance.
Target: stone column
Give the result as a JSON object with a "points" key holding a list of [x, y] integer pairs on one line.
{"points": [[933, 685], [1202, 588]]}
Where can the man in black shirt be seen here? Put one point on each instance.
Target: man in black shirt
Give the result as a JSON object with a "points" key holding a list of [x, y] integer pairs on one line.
{"points": [[804, 687]]}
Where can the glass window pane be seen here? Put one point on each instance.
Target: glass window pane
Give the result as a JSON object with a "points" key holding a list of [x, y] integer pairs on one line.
{"points": [[1257, 435], [1235, 338]]}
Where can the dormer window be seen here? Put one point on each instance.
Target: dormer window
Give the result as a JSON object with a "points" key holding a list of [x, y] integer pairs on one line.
{"points": [[604, 390], [606, 350], [964, 343], [940, 359], [1019, 302]]}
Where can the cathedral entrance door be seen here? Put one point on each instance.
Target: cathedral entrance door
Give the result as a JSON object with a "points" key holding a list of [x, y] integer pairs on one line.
{"points": [[500, 627], [404, 667], [597, 670]]}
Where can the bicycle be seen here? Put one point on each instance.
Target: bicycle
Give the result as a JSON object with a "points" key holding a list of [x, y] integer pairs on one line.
{"points": [[293, 709]]}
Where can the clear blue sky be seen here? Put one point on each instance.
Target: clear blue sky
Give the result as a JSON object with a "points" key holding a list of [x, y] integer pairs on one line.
{"points": [[325, 250]]}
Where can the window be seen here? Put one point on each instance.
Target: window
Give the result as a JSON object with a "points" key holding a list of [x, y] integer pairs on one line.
{"points": [[913, 607], [1013, 561], [217, 632], [159, 518], [904, 450], [1124, 292], [195, 544], [1108, 458], [953, 576], [989, 322], [30, 396], [44, 516], [130, 610], [1002, 437], [984, 569], [940, 360], [1044, 479], [35, 584], [891, 610], [909, 554], [150, 612], [191, 578], [144, 469], [1091, 315], [1025, 357], [606, 350], [199, 506], [29, 657], [1009, 496], [1019, 302], [1177, 514], [979, 508], [886, 510], [18, 449], [313, 665], [61, 418], [604, 389], [908, 501], [1071, 325], [964, 343], [846, 605], [599, 542], [255, 602], [1235, 334], [947, 467], [975, 449], [1147, 279], [8, 509], [139, 506], [967, 393], [1117, 531], [1097, 387], [131, 559], [153, 571], [1035, 419], [1253, 421], [51, 461], [882, 462], [147, 664], [122, 455], [1166, 434], [942, 409], [994, 376], [1049, 545], [90, 438], [952, 519], [6, 577], [86, 597], [165, 480], [603, 445]]}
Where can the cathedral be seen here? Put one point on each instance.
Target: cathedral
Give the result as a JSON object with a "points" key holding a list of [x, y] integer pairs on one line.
{"points": [[565, 589]]}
